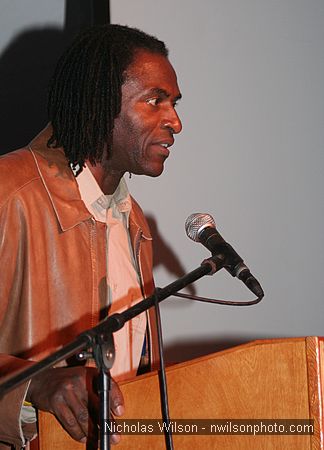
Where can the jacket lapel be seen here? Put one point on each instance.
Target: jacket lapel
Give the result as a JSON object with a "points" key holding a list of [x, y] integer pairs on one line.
{"points": [[59, 181]]}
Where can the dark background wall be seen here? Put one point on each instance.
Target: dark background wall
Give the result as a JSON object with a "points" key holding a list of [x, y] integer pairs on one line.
{"points": [[27, 63]]}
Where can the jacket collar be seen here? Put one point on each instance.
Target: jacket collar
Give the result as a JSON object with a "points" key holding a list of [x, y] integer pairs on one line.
{"points": [[59, 181], [63, 191]]}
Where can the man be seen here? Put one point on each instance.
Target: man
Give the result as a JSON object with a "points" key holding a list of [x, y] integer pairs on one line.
{"points": [[74, 246]]}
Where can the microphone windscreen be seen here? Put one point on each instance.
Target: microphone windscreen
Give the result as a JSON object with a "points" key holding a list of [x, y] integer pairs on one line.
{"points": [[196, 222]]}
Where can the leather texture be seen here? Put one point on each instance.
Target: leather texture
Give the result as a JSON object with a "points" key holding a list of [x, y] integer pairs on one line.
{"points": [[53, 261]]}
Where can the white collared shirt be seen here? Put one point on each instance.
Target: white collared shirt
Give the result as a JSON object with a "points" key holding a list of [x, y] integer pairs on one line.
{"points": [[122, 278]]}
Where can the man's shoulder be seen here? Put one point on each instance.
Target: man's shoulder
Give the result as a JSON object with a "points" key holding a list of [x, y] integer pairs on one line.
{"points": [[17, 169], [21, 161]]}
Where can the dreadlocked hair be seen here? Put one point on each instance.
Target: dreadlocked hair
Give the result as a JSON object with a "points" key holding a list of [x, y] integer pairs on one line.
{"points": [[85, 92]]}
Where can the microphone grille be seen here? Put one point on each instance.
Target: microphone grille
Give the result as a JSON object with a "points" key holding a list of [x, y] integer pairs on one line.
{"points": [[196, 222]]}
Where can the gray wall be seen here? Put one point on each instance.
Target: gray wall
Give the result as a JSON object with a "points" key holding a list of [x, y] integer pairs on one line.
{"points": [[250, 154]]}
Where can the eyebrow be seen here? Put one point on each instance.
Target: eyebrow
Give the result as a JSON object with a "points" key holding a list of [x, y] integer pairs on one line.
{"points": [[163, 93]]}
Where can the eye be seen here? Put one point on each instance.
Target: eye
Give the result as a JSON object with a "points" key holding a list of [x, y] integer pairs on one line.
{"points": [[153, 101]]}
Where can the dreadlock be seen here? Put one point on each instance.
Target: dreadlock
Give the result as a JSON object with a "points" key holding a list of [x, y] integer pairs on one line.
{"points": [[85, 91]]}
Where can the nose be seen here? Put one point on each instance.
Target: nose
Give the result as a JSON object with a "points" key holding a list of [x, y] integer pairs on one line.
{"points": [[173, 122]]}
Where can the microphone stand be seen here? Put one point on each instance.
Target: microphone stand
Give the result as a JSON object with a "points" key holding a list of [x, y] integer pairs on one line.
{"points": [[100, 340]]}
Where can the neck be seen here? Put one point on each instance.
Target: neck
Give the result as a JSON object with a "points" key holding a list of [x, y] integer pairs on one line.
{"points": [[107, 180]]}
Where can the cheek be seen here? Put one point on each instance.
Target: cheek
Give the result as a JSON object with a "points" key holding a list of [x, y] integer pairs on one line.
{"points": [[128, 128], [122, 133], [141, 118], [133, 132]]}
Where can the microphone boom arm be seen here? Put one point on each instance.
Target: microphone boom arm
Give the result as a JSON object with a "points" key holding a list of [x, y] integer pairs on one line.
{"points": [[111, 324]]}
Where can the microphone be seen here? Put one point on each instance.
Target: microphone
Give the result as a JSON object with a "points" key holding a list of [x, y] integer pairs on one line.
{"points": [[201, 228]]}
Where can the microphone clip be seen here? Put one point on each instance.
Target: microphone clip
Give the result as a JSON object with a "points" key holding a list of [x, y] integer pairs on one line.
{"points": [[214, 262]]}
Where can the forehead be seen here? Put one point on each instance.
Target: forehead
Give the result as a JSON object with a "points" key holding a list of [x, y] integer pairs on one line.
{"points": [[150, 71]]}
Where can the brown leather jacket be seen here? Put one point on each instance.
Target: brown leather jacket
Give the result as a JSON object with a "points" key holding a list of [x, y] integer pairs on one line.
{"points": [[53, 265]]}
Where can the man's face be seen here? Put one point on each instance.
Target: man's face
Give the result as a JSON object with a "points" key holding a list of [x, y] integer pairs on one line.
{"points": [[144, 129]]}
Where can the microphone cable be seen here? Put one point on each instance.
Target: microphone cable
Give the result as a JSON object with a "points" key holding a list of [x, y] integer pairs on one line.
{"points": [[218, 302], [162, 378]]}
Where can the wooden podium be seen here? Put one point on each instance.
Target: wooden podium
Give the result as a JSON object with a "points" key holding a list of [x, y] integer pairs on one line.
{"points": [[266, 379]]}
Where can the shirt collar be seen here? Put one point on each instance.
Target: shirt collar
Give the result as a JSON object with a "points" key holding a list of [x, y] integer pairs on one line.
{"points": [[97, 202]]}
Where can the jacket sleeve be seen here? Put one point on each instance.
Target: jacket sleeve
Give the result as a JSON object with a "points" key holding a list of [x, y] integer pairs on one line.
{"points": [[12, 431], [11, 238]]}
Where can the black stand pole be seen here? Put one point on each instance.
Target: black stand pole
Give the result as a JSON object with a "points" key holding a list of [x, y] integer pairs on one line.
{"points": [[104, 355], [104, 391]]}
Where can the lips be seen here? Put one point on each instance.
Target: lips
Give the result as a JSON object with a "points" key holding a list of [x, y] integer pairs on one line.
{"points": [[161, 150], [161, 147], [166, 143]]}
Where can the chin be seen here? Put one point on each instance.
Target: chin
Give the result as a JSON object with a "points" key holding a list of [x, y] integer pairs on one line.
{"points": [[153, 172], [156, 173]]}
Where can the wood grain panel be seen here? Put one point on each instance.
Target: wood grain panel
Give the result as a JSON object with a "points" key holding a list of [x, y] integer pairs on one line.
{"points": [[270, 379]]}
